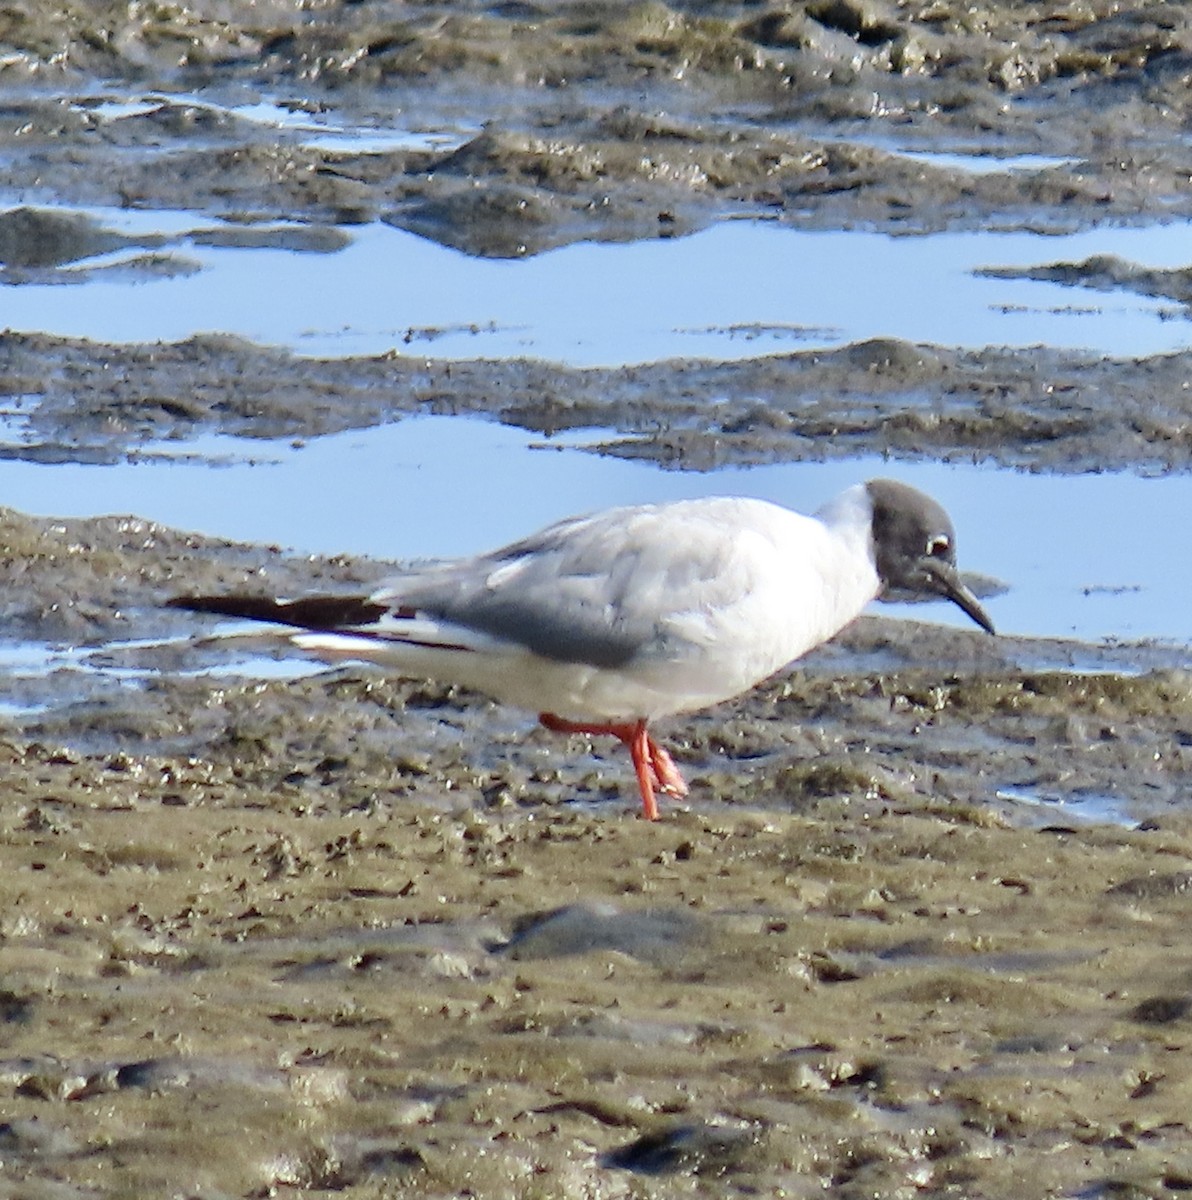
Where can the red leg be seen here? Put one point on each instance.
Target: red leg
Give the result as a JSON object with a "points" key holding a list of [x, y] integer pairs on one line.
{"points": [[653, 766], [639, 750]]}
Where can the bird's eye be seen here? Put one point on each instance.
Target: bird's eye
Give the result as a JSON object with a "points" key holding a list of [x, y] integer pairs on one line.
{"points": [[939, 546]]}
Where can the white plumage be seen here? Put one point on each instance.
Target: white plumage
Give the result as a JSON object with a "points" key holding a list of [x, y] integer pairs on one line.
{"points": [[605, 622]]}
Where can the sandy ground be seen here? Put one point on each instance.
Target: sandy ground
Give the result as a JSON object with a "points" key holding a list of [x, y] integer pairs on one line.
{"points": [[918, 929]]}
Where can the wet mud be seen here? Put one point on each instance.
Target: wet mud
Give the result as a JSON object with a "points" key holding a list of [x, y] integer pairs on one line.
{"points": [[1038, 409], [919, 928], [610, 120], [392, 939]]}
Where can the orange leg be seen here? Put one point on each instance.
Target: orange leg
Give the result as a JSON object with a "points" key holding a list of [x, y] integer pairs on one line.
{"points": [[639, 750], [653, 766]]}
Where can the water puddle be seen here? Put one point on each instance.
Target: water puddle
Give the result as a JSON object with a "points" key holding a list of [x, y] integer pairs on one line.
{"points": [[315, 127], [37, 678], [1036, 809], [987, 164], [738, 289], [970, 162]]}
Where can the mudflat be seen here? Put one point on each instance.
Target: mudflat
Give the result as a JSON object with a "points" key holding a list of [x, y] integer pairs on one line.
{"points": [[919, 929]]}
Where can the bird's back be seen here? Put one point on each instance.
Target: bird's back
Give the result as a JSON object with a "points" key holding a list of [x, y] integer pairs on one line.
{"points": [[685, 603]]}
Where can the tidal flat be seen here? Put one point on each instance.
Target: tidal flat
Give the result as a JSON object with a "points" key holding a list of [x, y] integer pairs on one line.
{"points": [[919, 929]]}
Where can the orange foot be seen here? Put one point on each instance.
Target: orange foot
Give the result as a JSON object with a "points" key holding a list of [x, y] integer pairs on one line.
{"points": [[654, 767]]}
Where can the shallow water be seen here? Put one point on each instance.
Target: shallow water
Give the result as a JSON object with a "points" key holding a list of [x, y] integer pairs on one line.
{"points": [[979, 163], [735, 290], [1032, 809], [317, 127]]}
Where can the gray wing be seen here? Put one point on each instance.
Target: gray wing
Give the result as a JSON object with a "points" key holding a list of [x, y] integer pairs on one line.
{"points": [[602, 590]]}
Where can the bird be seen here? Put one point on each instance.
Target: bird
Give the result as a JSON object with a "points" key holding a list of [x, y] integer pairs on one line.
{"points": [[606, 622]]}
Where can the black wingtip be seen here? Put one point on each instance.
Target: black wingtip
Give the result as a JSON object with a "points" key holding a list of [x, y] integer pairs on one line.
{"points": [[312, 612], [256, 608]]}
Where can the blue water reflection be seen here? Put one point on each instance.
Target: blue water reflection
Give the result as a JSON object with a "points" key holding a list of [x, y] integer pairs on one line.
{"points": [[738, 289]]}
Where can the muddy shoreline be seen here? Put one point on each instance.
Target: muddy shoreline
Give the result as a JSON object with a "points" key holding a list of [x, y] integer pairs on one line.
{"points": [[611, 121], [1038, 409], [919, 930]]}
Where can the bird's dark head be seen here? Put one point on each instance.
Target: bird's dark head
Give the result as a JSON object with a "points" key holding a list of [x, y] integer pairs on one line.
{"points": [[914, 547]]}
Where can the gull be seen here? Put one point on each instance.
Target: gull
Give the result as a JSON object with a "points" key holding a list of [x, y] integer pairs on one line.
{"points": [[604, 623]]}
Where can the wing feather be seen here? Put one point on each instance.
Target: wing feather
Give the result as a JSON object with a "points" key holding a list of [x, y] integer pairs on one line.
{"points": [[624, 585]]}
